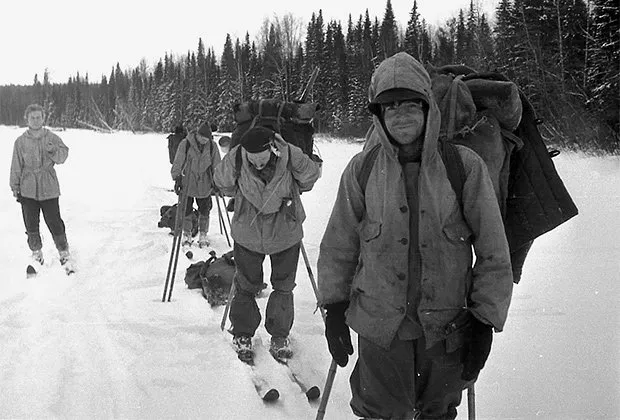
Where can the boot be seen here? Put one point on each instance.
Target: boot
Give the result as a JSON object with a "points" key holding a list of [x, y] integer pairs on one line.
{"points": [[203, 228], [187, 238], [243, 347], [64, 256], [280, 348], [37, 257]]}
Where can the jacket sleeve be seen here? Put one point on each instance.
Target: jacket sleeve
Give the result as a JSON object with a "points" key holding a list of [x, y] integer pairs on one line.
{"points": [[16, 169], [224, 173], [491, 288], [179, 160], [57, 150], [340, 246], [305, 171]]}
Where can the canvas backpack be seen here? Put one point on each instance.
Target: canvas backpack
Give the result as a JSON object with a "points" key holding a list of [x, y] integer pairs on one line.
{"points": [[218, 278], [195, 273], [491, 116], [292, 120]]}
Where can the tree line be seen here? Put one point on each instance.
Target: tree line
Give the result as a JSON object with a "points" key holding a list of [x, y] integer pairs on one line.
{"points": [[563, 54]]}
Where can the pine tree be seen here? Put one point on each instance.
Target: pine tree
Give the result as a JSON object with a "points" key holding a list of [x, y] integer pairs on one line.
{"points": [[412, 33], [388, 34]]}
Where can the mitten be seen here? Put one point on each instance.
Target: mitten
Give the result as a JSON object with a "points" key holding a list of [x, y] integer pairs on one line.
{"points": [[476, 349], [337, 332], [178, 186]]}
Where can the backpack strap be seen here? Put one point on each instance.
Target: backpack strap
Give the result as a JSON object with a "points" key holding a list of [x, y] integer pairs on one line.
{"points": [[238, 163], [366, 168], [454, 167]]}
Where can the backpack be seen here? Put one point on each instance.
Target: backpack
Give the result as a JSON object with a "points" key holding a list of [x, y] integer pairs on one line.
{"points": [[490, 115], [195, 273], [292, 120], [218, 278]]}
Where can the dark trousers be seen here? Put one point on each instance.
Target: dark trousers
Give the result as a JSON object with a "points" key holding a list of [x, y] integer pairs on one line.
{"points": [[407, 378], [244, 313], [31, 210], [204, 205]]}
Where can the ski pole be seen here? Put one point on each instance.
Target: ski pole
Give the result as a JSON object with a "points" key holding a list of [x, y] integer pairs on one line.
{"points": [[184, 194], [471, 402], [227, 308], [227, 216], [175, 239], [219, 210], [327, 389]]}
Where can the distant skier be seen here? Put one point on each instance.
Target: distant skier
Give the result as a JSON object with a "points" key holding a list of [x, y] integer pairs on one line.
{"points": [[192, 168], [35, 185], [265, 175], [174, 140]]}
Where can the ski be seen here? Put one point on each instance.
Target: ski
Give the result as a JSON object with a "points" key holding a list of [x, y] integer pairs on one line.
{"points": [[31, 271], [264, 390], [312, 392]]}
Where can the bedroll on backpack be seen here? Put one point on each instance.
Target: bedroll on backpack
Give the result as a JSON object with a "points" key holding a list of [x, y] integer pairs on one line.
{"points": [[291, 119], [490, 115]]}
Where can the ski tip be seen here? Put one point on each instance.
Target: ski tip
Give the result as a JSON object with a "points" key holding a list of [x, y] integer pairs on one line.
{"points": [[30, 270], [271, 395], [313, 393], [189, 255]]}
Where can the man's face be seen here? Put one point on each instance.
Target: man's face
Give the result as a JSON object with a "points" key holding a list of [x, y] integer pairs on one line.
{"points": [[405, 120], [35, 120], [260, 159]]}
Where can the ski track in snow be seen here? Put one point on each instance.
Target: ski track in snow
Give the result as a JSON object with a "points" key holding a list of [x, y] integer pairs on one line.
{"points": [[101, 344]]}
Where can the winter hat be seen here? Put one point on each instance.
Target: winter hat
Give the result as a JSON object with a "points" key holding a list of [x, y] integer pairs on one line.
{"points": [[257, 139], [205, 130], [393, 95], [178, 129]]}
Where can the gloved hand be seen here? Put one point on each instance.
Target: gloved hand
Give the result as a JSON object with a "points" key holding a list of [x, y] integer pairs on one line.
{"points": [[337, 332], [178, 186], [17, 195], [476, 349]]}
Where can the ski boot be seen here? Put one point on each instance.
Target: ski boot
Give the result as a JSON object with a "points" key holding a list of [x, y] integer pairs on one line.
{"points": [[280, 348], [65, 261], [203, 242], [186, 239], [243, 347]]}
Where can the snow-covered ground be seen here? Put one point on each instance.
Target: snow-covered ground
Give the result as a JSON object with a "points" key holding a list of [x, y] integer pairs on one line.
{"points": [[101, 344]]}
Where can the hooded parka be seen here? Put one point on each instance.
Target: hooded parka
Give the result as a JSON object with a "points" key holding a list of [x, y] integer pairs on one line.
{"points": [[32, 166], [196, 166], [364, 253], [268, 217]]}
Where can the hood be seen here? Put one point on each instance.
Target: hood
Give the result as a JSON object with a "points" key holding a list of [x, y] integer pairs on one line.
{"points": [[402, 71]]}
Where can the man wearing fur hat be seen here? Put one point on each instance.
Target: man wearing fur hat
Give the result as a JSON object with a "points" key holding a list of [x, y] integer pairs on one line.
{"points": [[192, 169], [265, 175], [396, 263]]}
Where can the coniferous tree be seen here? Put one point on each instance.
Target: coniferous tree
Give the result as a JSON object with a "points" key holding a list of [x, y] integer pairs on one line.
{"points": [[388, 34], [412, 33]]}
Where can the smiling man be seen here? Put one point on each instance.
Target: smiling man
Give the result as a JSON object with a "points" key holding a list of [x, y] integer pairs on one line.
{"points": [[396, 263], [35, 185]]}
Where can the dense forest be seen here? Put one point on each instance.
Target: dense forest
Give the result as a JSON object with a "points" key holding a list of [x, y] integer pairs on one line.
{"points": [[564, 55]]}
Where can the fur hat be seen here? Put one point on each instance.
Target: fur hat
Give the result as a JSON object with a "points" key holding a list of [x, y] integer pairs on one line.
{"points": [[257, 139], [393, 95], [205, 130]]}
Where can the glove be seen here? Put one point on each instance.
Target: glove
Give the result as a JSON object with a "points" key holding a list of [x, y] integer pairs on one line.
{"points": [[18, 196], [178, 186], [337, 332], [230, 207], [476, 349]]}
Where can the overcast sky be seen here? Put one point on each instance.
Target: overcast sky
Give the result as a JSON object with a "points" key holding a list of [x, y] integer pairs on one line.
{"points": [[70, 36]]}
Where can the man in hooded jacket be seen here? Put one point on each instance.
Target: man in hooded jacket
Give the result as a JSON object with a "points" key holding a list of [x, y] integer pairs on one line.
{"points": [[396, 262]]}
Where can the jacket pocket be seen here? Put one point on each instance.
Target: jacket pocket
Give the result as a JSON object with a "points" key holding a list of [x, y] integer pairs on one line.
{"points": [[458, 233], [457, 331], [369, 230]]}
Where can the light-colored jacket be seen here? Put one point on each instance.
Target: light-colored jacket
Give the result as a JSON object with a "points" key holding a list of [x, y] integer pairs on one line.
{"points": [[365, 248], [196, 166], [268, 218], [32, 166]]}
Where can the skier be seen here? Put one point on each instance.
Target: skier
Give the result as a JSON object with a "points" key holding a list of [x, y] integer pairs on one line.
{"points": [[174, 140], [395, 261], [35, 185], [265, 175], [193, 166]]}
